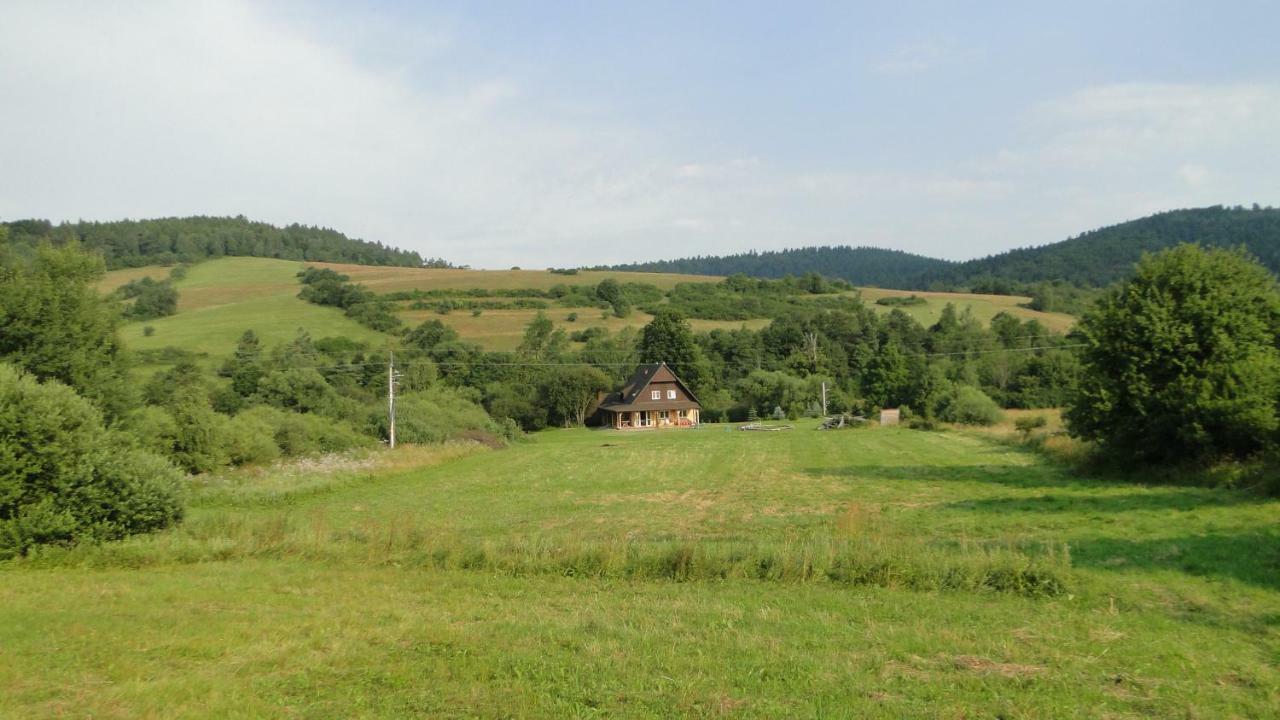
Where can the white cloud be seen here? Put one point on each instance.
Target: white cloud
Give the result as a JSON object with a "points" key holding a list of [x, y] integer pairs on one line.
{"points": [[221, 108], [175, 108]]}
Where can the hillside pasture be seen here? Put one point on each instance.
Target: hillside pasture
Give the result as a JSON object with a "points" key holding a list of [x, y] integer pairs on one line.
{"points": [[984, 307], [689, 573], [503, 329], [390, 279], [219, 299]]}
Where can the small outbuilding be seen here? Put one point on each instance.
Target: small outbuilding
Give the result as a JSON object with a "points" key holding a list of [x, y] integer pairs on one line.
{"points": [[654, 398], [889, 416]]}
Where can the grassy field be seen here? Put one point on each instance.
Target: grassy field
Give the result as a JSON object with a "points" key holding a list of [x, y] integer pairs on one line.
{"points": [[219, 299], [597, 574], [984, 307], [503, 329], [388, 279]]}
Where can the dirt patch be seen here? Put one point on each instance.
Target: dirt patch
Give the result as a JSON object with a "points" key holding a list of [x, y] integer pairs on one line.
{"points": [[486, 439]]}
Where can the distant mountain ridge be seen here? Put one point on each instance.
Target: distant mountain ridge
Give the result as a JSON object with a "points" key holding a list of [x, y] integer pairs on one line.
{"points": [[165, 241], [858, 265], [1092, 259]]}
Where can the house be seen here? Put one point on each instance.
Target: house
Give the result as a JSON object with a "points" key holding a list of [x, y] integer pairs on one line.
{"points": [[653, 398]]}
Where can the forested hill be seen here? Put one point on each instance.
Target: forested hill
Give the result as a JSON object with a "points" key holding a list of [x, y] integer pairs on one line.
{"points": [[1100, 257], [1092, 259], [165, 241], [858, 265]]}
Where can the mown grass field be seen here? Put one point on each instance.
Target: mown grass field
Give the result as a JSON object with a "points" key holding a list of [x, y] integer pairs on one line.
{"points": [[460, 582], [220, 299]]}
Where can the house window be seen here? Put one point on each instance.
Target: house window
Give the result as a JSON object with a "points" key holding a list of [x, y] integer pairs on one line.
{"points": [[671, 394], [683, 414], [655, 395]]}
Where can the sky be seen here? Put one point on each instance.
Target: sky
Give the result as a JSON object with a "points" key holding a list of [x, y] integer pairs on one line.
{"points": [[564, 134]]}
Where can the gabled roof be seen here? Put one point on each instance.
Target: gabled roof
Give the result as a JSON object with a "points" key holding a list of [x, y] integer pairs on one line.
{"points": [[645, 374]]}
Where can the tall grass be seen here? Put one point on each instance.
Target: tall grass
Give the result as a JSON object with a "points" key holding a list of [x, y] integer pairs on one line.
{"points": [[876, 561]]}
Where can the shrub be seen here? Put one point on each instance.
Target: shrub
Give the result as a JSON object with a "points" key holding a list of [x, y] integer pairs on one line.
{"points": [[298, 389], [154, 429], [201, 441], [65, 478], [151, 299], [1028, 424], [148, 331], [435, 415], [250, 439], [968, 405], [301, 434], [901, 301]]}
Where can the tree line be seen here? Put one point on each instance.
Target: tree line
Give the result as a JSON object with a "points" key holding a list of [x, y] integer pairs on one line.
{"points": [[168, 241], [1094, 259]]}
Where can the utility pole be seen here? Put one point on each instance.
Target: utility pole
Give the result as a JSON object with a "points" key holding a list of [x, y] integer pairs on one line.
{"points": [[391, 398], [824, 398]]}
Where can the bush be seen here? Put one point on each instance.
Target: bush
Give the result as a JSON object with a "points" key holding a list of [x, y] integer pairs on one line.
{"points": [[154, 429], [251, 440], [151, 299], [298, 389], [435, 415], [148, 331], [1028, 424], [968, 405], [65, 478], [901, 301], [201, 441], [300, 434]]}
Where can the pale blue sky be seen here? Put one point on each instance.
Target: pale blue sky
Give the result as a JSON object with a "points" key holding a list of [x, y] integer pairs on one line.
{"points": [[553, 134]]}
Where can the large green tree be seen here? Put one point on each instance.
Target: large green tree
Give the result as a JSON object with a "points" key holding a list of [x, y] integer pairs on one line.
{"points": [[54, 325], [569, 392], [668, 338], [1181, 362]]}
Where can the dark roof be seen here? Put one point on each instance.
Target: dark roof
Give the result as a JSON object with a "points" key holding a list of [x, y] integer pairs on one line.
{"points": [[640, 379]]}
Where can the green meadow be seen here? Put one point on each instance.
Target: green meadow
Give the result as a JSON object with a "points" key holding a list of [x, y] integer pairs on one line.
{"points": [[983, 307], [709, 573], [220, 299]]}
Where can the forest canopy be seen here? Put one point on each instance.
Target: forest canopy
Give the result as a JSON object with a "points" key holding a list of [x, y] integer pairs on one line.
{"points": [[1093, 259], [167, 241]]}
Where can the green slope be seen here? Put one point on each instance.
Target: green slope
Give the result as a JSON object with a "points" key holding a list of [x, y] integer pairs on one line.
{"points": [[220, 299]]}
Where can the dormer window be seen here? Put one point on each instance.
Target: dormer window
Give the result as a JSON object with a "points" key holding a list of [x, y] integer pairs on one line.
{"points": [[655, 395]]}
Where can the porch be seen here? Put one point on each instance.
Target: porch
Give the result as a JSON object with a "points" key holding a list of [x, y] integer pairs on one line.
{"points": [[654, 419]]}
